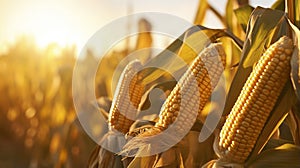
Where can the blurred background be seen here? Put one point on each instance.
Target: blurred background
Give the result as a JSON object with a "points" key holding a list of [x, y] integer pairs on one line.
{"points": [[39, 44]]}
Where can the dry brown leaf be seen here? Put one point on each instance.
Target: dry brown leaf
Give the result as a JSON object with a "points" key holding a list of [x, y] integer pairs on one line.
{"points": [[286, 155]]}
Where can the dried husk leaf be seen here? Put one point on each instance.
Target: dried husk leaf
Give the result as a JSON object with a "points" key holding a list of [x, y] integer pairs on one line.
{"points": [[295, 62], [187, 153], [103, 158], [293, 121], [286, 155]]}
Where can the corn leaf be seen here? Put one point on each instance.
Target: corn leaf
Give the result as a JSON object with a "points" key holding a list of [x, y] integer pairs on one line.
{"points": [[193, 151], [293, 11], [274, 143], [286, 155], [229, 15], [102, 158], [296, 61], [293, 121], [243, 15], [231, 20], [233, 53], [183, 51], [146, 162], [297, 13], [203, 6], [279, 5]]}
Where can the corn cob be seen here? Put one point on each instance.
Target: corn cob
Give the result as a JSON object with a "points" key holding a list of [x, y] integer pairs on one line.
{"points": [[202, 76], [126, 99], [255, 102]]}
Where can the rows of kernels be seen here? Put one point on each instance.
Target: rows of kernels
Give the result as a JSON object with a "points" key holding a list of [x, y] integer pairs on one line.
{"points": [[202, 76], [253, 106], [127, 98]]}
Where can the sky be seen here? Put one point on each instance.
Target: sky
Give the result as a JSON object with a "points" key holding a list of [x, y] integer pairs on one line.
{"points": [[75, 21]]}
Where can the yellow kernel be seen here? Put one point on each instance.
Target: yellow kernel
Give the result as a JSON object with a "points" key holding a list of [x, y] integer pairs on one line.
{"points": [[270, 83], [282, 57], [267, 87], [254, 111], [255, 119], [280, 48], [275, 60], [263, 97], [265, 91], [288, 51]]}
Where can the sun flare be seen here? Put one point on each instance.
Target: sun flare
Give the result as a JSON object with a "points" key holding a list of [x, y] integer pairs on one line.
{"points": [[46, 22], [48, 27]]}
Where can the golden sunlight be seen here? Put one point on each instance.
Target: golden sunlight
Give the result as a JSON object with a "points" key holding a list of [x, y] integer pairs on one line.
{"points": [[51, 26], [47, 21]]}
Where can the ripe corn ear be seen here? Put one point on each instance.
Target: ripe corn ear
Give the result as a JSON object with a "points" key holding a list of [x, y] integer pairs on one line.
{"points": [[255, 102], [183, 104], [126, 99], [202, 76]]}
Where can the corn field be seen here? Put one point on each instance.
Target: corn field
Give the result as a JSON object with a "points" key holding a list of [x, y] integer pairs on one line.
{"points": [[241, 88], [257, 58]]}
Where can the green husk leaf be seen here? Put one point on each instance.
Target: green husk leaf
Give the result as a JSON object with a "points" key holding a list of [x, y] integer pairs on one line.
{"points": [[286, 155], [243, 15]]}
